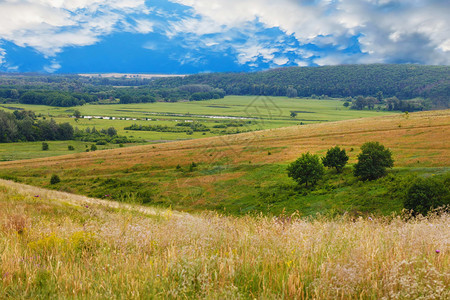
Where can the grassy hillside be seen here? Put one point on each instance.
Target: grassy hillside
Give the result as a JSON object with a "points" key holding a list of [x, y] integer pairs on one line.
{"points": [[246, 173], [56, 245]]}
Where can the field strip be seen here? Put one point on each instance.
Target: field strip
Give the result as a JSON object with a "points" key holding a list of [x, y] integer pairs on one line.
{"points": [[79, 200]]}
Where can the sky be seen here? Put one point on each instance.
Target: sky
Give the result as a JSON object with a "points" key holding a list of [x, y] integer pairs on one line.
{"points": [[199, 36]]}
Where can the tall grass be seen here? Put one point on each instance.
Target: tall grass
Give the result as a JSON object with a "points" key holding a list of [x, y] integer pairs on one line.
{"points": [[53, 245]]}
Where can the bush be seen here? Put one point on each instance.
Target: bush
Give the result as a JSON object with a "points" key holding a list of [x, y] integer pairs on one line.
{"points": [[192, 166], [335, 158], [307, 169], [425, 194], [70, 148], [55, 179], [373, 161], [93, 147], [45, 146]]}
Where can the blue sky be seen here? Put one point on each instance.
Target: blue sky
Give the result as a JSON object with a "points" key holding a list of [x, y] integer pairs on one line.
{"points": [[192, 36]]}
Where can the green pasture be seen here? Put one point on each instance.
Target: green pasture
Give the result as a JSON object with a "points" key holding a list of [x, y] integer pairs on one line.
{"points": [[258, 107], [257, 112], [29, 150], [264, 112]]}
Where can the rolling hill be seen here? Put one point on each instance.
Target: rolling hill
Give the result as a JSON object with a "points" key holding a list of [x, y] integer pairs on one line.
{"points": [[246, 172], [402, 81]]}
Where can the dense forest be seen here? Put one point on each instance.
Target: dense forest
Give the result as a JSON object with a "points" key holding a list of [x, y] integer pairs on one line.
{"points": [[429, 86], [401, 81]]}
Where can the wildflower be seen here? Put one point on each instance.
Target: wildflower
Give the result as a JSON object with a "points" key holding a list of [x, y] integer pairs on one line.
{"points": [[438, 251], [86, 206], [36, 196], [370, 219]]}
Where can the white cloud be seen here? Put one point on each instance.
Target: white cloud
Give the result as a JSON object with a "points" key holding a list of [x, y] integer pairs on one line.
{"points": [[390, 30], [301, 63], [143, 26], [50, 25], [2, 55], [281, 60], [53, 67]]}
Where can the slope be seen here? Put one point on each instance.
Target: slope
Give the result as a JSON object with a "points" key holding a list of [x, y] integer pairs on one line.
{"points": [[56, 245], [239, 173]]}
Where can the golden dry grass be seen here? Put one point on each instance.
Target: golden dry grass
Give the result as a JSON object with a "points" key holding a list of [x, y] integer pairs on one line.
{"points": [[63, 246]]}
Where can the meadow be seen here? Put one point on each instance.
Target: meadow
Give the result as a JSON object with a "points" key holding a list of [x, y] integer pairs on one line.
{"points": [[252, 112], [246, 173], [57, 246]]}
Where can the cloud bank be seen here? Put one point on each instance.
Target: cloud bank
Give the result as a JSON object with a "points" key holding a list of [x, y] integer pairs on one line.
{"points": [[254, 34]]}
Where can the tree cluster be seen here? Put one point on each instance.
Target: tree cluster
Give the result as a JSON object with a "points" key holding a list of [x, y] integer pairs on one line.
{"points": [[22, 126], [390, 104], [54, 98], [372, 163]]}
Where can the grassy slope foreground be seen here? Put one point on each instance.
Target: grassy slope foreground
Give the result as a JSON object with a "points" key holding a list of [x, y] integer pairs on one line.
{"points": [[56, 245], [247, 172]]}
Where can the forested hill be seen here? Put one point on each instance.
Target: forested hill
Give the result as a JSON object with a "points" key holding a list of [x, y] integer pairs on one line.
{"points": [[402, 81]]}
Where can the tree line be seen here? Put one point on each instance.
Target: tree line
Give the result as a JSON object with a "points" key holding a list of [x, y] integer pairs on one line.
{"points": [[401, 81], [431, 83]]}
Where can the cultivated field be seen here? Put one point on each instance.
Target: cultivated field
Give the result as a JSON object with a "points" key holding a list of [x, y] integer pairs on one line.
{"points": [[250, 112], [55, 245], [246, 173]]}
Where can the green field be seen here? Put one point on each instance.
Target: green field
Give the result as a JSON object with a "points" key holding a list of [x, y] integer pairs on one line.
{"points": [[28, 150], [246, 173], [255, 113]]}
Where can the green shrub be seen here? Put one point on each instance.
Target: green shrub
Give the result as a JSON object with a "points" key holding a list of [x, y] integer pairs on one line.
{"points": [[424, 194], [93, 147], [70, 148], [373, 161], [44, 146], [55, 179], [307, 169], [192, 166]]}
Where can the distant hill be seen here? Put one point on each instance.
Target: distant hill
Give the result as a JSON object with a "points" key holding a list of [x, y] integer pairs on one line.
{"points": [[401, 81]]}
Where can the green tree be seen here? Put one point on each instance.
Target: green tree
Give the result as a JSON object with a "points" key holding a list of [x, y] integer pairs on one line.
{"points": [[293, 114], [77, 114], [93, 147], [370, 102], [379, 96], [307, 169], [359, 103], [111, 131], [44, 146], [425, 194], [373, 161], [335, 158], [125, 99]]}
